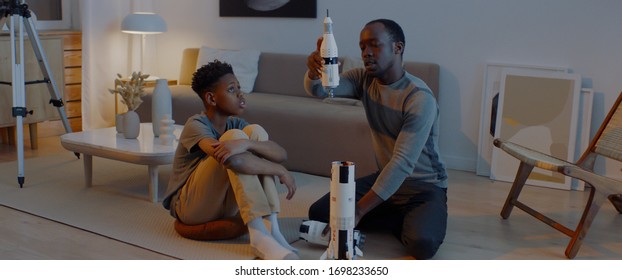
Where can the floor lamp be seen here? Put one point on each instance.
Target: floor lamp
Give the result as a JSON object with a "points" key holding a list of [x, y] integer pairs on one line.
{"points": [[143, 24]]}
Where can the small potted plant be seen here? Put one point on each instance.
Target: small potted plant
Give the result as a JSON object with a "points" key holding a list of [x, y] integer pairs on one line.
{"points": [[131, 91]]}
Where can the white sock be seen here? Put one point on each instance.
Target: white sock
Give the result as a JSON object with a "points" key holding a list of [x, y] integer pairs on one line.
{"points": [[276, 233], [264, 245]]}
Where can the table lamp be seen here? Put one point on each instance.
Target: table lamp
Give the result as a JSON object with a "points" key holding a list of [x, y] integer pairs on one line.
{"points": [[143, 23]]}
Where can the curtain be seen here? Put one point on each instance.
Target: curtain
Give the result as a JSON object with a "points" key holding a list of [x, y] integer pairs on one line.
{"points": [[106, 52]]}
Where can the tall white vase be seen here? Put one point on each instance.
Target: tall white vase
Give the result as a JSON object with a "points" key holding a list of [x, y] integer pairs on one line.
{"points": [[160, 104]]}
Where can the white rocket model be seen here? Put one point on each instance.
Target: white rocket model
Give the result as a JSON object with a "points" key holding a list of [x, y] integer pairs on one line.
{"points": [[343, 241], [342, 203], [328, 51]]}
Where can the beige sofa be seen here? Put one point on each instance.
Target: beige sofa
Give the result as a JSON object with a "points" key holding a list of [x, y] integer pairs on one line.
{"points": [[313, 132]]}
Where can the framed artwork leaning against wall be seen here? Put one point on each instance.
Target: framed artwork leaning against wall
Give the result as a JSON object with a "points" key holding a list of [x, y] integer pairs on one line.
{"points": [[541, 112], [490, 96]]}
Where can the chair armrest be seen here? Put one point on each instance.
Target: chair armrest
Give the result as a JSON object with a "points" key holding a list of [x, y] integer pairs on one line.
{"points": [[600, 183], [531, 157]]}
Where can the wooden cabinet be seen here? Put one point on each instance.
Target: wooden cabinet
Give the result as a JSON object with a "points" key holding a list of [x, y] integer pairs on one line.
{"points": [[72, 52], [63, 49], [37, 95]]}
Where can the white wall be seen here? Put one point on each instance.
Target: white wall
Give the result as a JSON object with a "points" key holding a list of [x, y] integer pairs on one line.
{"points": [[460, 35]]}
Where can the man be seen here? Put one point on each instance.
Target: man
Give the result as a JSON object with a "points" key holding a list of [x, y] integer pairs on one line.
{"points": [[408, 194]]}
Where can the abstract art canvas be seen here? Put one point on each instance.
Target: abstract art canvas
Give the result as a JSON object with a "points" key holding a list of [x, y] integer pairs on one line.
{"points": [[540, 112], [490, 97]]}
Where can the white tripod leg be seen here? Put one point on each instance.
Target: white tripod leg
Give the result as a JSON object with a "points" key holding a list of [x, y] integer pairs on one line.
{"points": [[18, 84], [19, 20], [47, 73]]}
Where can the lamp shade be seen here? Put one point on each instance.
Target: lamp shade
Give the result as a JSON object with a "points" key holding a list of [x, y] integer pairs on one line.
{"points": [[143, 23]]}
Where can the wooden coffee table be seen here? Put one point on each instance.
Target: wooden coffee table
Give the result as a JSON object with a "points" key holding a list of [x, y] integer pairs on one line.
{"points": [[107, 143]]}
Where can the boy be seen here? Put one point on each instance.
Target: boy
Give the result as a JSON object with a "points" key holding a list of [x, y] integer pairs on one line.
{"points": [[225, 168]]}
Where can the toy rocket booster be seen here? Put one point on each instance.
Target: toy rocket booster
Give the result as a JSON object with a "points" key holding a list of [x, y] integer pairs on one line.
{"points": [[341, 245], [343, 241], [312, 232], [328, 52]]}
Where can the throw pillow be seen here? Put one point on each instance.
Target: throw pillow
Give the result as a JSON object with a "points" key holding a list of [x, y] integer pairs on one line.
{"points": [[349, 63], [244, 63]]}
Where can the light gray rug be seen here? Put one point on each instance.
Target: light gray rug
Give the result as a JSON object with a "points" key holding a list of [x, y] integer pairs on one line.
{"points": [[117, 205]]}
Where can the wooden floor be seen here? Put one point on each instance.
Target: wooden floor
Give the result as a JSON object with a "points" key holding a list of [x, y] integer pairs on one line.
{"points": [[24, 236], [27, 237]]}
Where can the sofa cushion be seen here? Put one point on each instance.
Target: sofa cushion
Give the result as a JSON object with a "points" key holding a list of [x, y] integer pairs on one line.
{"points": [[314, 133], [343, 101], [244, 63], [282, 74], [349, 63]]}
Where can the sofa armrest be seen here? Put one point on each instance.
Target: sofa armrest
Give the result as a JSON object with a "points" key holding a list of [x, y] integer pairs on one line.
{"points": [[188, 65]]}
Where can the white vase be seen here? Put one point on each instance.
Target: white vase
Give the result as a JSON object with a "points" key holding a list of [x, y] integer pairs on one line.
{"points": [[160, 104], [166, 130], [118, 122], [131, 125]]}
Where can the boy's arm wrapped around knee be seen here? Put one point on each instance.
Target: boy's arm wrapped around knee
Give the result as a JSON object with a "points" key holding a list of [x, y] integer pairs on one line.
{"points": [[222, 150], [269, 150], [257, 158], [248, 163]]}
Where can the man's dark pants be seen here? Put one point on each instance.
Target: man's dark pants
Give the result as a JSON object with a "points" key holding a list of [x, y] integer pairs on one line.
{"points": [[416, 214]]}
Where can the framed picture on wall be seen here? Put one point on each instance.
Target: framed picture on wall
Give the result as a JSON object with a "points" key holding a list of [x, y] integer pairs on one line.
{"points": [[540, 112], [269, 8]]}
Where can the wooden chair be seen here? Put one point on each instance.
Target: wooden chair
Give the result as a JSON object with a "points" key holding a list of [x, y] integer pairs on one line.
{"points": [[607, 143]]}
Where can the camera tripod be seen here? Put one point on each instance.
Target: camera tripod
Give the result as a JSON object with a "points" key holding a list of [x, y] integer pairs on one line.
{"points": [[17, 14]]}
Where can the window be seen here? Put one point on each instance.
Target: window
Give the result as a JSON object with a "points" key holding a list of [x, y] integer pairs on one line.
{"points": [[47, 9], [51, 14]]}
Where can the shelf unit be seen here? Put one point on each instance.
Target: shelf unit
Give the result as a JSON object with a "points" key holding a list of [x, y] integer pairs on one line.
{"points": [[72, 61], [68, 80]]}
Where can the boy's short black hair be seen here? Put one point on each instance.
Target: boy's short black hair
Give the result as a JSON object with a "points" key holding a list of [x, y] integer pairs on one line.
{"points": [[206, 76]]}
